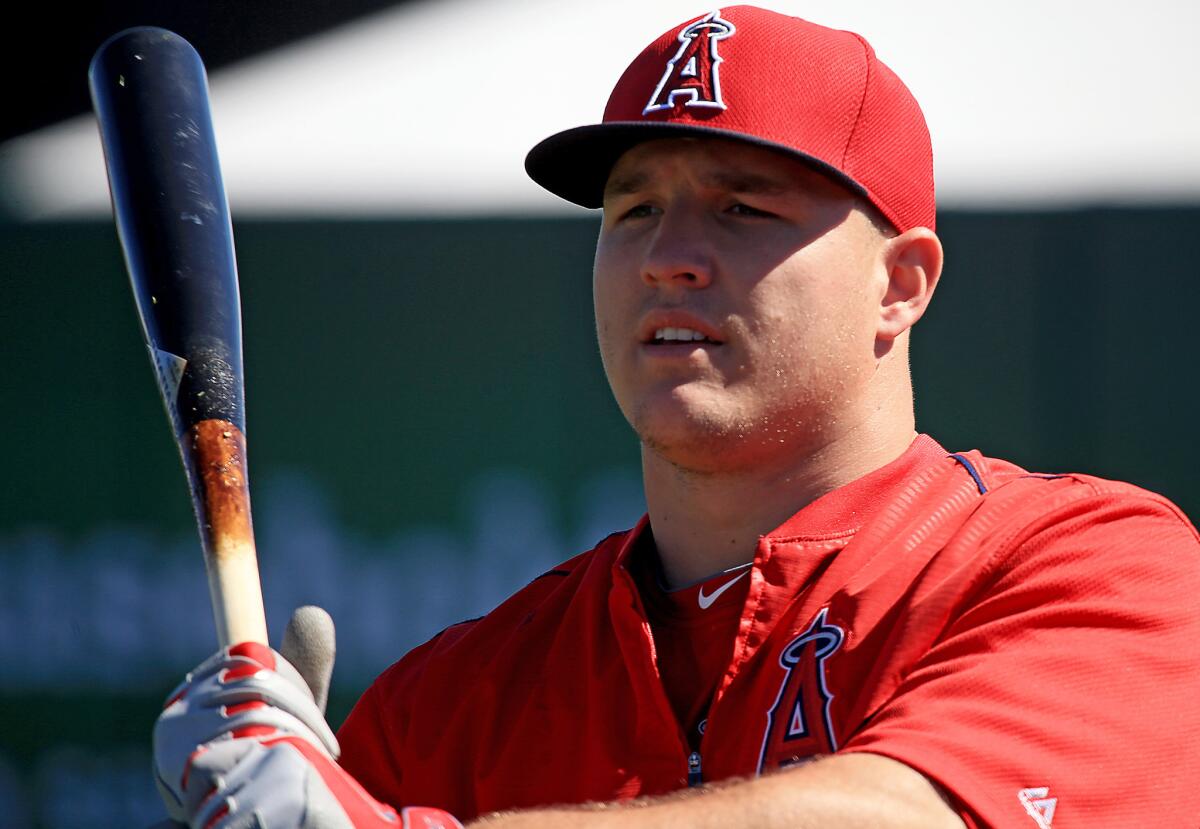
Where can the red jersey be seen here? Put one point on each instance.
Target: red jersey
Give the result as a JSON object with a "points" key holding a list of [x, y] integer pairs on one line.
{"points": [[1029, 642]]}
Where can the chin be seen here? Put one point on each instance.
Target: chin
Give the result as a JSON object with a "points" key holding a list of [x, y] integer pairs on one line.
{"points": [[700, 439], [677, 412], [701, 454], [715, 438]]}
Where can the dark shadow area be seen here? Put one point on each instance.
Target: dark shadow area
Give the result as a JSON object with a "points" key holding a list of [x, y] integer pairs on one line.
{"points": [[45, 59]]}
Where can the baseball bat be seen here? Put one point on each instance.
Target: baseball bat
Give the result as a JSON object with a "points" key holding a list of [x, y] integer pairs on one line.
{"points": [[150, 94]]}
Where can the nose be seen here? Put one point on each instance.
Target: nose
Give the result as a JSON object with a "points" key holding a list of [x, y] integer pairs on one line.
{"points": [[679, 254]]}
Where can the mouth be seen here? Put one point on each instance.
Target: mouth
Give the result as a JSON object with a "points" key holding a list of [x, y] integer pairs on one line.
{"points": [[673, 336]]}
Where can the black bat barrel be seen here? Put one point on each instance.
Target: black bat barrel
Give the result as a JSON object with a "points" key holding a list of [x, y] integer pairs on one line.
{"points": [[150, 94]]}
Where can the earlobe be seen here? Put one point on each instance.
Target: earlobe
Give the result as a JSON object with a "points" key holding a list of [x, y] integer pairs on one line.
{"points": [[913, 263]]}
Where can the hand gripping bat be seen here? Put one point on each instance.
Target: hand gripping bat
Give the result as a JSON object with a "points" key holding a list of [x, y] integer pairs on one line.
{"points": [[150, 94]]}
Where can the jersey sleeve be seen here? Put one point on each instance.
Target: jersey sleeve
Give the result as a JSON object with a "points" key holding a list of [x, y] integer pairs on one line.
{"points": [[370, 741], [428, 685], [373, 737], [1065, 691]]}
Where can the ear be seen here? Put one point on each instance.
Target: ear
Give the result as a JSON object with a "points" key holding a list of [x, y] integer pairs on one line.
{"points": [[913, 263]]}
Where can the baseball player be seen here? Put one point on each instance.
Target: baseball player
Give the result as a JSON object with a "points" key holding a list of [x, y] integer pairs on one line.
{"points": [[825, 618]]}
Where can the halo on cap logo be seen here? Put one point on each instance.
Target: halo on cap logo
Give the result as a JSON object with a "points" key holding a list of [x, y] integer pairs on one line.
{"points": [[692, 75]]}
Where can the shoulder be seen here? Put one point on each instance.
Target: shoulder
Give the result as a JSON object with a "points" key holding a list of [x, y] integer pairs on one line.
{"points": [[1021, 494], [531, 616], [1078, 521], [1065, 622]]}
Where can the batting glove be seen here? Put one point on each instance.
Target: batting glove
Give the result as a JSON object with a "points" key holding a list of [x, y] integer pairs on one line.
{"points": [[242, 744]]}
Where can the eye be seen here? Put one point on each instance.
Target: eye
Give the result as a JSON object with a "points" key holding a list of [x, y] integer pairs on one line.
{"points": [[741, 209], [638, 211]]}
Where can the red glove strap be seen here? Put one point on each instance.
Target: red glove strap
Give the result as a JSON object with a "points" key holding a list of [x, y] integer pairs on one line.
{"points": [[362, 809]]}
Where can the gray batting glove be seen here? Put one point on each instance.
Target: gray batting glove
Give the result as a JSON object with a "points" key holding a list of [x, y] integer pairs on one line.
{"points": [[243, 743]]}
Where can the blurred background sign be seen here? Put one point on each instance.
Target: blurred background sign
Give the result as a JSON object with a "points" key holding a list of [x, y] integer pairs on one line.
{"points": [[428, 420], [428, 107]]}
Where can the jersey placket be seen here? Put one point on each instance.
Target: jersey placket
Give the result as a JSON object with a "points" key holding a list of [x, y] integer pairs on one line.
{"points": [[775, 591], [632, 628]]}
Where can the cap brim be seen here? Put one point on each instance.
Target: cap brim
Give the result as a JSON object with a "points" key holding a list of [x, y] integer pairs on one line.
{"points": [[574, 164]]}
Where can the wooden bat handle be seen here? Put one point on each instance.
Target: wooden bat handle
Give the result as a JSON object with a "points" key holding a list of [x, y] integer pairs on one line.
{"points": [[217, 452]]}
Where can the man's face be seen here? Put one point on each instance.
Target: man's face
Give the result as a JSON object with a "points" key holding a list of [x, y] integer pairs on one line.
{"points": [[737, 298]]}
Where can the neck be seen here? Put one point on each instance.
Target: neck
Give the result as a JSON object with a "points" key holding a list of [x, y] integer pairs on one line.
{"points": [[705, 522]]}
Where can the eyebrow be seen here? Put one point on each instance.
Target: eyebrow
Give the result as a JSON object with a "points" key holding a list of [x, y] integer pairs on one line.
{"points": [[739, 182], [733, 181], [625, 185]]}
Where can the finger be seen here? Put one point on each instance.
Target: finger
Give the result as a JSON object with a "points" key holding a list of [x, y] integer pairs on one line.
{"points": [[221, 662], [205, 787], [176, 739], [222, 700], [265, 784], [309, 643]]}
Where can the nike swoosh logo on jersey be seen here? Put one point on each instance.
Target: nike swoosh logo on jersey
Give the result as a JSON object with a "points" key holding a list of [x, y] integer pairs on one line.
{"points": [[706, 601]]}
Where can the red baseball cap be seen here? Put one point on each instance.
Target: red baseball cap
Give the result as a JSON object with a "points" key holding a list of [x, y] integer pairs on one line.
{"points": [[768, 79]]}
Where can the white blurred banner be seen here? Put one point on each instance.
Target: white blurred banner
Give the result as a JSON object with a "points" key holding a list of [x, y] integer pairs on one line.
{"points": [[429, 109]]}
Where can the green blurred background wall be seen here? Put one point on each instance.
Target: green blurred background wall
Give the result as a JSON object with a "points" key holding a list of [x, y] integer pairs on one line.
{"points": [[429, 427]]}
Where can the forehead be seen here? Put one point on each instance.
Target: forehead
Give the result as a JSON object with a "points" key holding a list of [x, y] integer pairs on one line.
{"points": [[717, 163]]}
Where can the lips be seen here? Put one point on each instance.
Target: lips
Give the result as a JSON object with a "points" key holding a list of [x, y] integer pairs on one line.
{"points": [[676, 328]]}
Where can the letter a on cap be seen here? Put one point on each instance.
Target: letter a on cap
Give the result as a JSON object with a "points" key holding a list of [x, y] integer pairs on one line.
{"points": [[692, 73]]}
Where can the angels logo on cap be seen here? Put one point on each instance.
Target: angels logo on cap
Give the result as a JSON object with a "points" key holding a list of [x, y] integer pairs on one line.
{"points": [[693, 72]]}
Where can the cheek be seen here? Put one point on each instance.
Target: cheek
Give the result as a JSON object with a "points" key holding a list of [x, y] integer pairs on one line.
{"points": [[809, 331], [604, 306], [786, 319], [607, 303], [615, 279], [603, 279]]}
